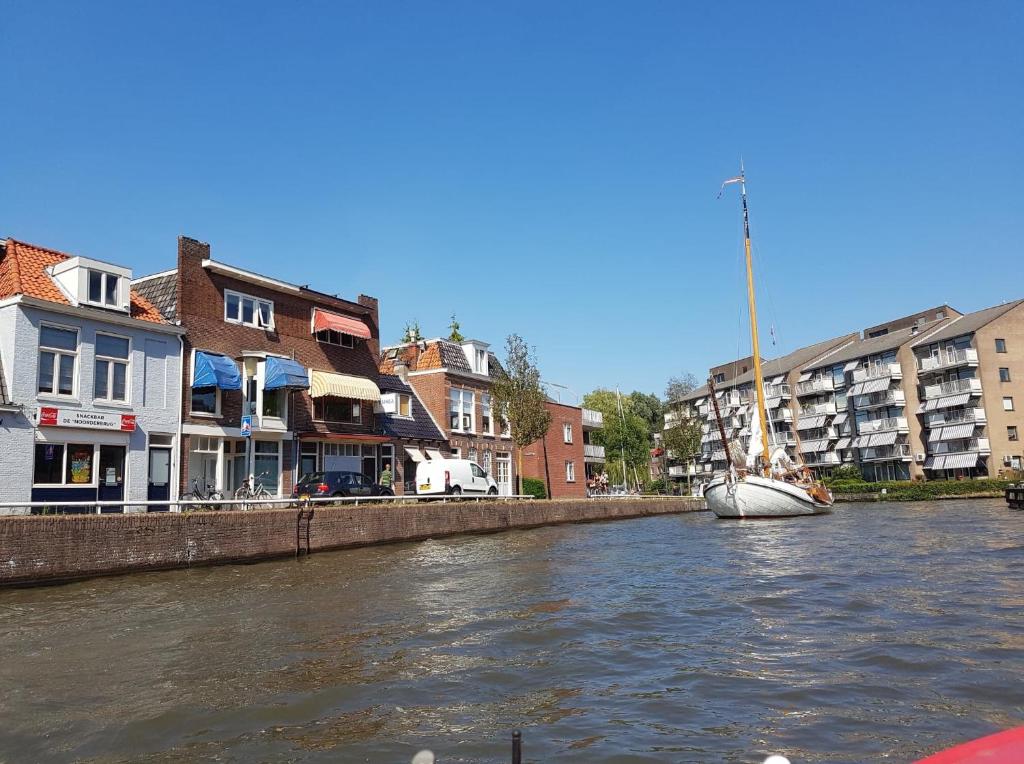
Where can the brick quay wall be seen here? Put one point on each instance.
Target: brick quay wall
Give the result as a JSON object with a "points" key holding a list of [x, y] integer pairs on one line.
{"points": [[54, 548]]}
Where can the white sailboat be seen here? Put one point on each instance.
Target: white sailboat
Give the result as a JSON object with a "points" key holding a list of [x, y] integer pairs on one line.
{"points": [[767, 485]]}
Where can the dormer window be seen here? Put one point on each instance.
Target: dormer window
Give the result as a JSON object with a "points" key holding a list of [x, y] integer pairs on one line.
{"points": [[476, 356], [249, 311], [103, 289]]}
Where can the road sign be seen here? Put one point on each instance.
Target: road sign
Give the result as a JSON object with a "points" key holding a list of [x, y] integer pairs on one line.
{"points": [[247, 426]]}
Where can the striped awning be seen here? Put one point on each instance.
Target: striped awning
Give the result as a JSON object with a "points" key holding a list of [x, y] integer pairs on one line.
{"points": [[946, 402], [810, 422], [324, 319], [773, 402], [343, 386], [960, 461], [843, 443], [861, 441], [951, 432], [851, 365], [813, 446], [882, 438], [870, 386], [805, 376], [776, 379]]}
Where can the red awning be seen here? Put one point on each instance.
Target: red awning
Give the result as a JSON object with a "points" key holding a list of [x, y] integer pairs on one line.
{"points": [[323, 319]]}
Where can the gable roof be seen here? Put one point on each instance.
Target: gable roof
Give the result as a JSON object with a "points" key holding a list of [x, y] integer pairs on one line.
{"points": [[971, 322], [784, 364], [23, 272], [161, 290], [874, 345], [420, 427], [433, 354]]}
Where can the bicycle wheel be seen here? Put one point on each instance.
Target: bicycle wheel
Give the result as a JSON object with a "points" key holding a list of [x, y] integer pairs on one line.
{"points": [[259, 499]]}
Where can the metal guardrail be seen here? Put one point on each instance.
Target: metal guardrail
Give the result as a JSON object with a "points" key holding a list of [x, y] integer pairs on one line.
{"points": [[186, 505]]}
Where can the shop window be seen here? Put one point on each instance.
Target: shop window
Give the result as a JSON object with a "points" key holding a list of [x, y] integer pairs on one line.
{"points": [[112, 359], [331, 337], [249, 311], [58, 356], [206, 400], [63, 464], [342, 410]]}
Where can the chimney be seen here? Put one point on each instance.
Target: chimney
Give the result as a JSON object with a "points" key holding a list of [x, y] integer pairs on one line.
{"points": [[402, 370]]}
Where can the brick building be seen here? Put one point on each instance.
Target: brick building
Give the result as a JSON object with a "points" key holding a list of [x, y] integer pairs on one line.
{"points": [[453, 380], [300, 365], [558, 457], [413, 433]]}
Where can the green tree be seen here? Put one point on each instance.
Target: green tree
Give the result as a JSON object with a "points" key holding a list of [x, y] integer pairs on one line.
{"points": [[679, 386], [517, 397], [456, 335], [626, 435], [648, 406], [683, 438]]}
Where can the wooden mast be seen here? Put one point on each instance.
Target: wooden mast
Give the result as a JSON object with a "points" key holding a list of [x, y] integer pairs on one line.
{"points": [[718, 418], [758, 377]]}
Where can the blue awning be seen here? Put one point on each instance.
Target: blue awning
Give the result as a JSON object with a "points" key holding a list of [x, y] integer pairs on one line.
{"points": [[285, 373], [213, 370]]}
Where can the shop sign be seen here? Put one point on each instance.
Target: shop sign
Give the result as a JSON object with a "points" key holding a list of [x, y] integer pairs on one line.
{"points": [[51, 416]]}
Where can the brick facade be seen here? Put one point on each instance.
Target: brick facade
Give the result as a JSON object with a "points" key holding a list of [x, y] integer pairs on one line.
{"points": [[559, 453]]}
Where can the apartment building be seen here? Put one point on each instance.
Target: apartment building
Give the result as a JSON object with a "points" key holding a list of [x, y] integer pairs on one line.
{"points": [[566, 459], [89, 383], [453, 380], [277, 379]]}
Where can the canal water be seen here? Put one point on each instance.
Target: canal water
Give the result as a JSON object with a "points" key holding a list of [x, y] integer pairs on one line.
{"points": [[881, 631]]}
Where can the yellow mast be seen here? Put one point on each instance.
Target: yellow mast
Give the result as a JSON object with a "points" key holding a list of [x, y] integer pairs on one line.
{"points": [[758, 378]]}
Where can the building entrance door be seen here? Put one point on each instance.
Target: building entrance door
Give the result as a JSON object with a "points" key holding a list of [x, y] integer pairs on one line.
{"points": [[111, 476], [503, 472], [159, 479]]}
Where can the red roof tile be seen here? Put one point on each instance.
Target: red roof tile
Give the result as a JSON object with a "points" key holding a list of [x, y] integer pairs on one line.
{"points": [[23, 271]]}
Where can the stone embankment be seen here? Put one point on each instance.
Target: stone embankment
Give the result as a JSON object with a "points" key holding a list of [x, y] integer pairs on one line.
{"points": [[51, 548]]}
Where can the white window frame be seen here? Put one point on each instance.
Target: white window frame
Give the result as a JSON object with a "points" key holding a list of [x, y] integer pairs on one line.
{"points": [[257, 322], [1008, 403], [570, 472], [567, 432], [111, 360], [332, 337], [461, 393], [57, 353], [486, 414], [104, 277], [64, 464]]}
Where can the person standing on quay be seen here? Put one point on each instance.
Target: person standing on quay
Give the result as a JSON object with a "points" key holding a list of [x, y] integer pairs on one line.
{"points": [[385, 477]]}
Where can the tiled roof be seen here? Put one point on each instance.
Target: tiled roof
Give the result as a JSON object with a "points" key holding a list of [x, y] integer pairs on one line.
{"points": [[23, 271], [873, 345], [786, 363], [434, 354], [420, 427], [161, 291], [971, 322]]}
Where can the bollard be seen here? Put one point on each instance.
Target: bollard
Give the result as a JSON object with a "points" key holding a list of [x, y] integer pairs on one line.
{"points": [[517, 747]]}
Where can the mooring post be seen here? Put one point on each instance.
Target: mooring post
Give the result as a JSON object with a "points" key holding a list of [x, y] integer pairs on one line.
{"points": [[517, 747]]}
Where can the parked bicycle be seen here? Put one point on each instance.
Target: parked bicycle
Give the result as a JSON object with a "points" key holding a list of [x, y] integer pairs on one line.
{"points": [[253, 493], [204, 494]]}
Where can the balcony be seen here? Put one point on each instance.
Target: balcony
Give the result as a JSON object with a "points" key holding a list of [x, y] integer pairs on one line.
{"points": [[812, 386], [899, 451], [821, 459], [781, 439], [878, 371], [777, 391], [593, 453], [972, 386], [961, 416], [780, 415], [592, 419], [815, 409], [948, 359], [972, 446], [678, 471], [897, 423], [877, 400]]}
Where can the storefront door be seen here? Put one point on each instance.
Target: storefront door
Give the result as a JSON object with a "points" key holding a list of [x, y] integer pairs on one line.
{"points": [[111, 476], [159, 479]]}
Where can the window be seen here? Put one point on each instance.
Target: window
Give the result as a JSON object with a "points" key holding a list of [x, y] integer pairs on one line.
{"points": [[487, 462], [267, 463], [103, 288], [486, 421], [1007, 403], [331, 409], [719, 378], [273, 403], [250, 311], [404, 405], [567, 432], [1011, 432], [206, 400], [111, 382], [1004, 374], [570, 472], [1000, 346], [64, 464], [331, 337], [481, 361], [477, 472], [58, 352], [472, 455], [462, 415]]}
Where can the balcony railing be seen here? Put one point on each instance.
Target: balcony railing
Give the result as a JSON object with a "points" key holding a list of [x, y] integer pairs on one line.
{"points": [[898, 451], [593, 451], [811, 386], [821, 458], [875, 400], [971, 446], [948, 359], [776, 391], [592, 418], [878, 371], [781, 439], [781, 414], [961, 416], [678, 471], [818, 408], [952, 388], [898, 423]]}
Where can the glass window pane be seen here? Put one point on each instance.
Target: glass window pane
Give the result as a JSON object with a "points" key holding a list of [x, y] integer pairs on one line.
{"points": [[247, 311], [120, 392], [265, 310], [79, 469], [110, 295], [46, 360], [66, 379], [102, 372], [115, 347], [231, 306], [49, 463], [52, 337], [95, 286], [204, 400]]}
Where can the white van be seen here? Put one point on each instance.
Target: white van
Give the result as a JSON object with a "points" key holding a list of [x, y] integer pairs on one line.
{"points": [[453, 477]]}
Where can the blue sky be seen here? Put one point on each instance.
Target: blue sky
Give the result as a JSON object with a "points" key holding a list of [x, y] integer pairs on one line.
{"points": [[542, 168]]}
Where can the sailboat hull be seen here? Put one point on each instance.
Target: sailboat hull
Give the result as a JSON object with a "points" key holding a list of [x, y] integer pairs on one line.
{"points": [[755, 496]]}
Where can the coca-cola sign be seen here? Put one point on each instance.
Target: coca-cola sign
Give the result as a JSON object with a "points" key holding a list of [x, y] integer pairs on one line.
{"points": [[51, 416]]}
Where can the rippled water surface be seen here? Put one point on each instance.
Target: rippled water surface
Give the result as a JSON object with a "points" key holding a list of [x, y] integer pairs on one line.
{"points": [[879, 632]]}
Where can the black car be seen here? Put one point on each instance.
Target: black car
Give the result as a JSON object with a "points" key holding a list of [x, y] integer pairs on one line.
{"points": [[317, 485]]}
